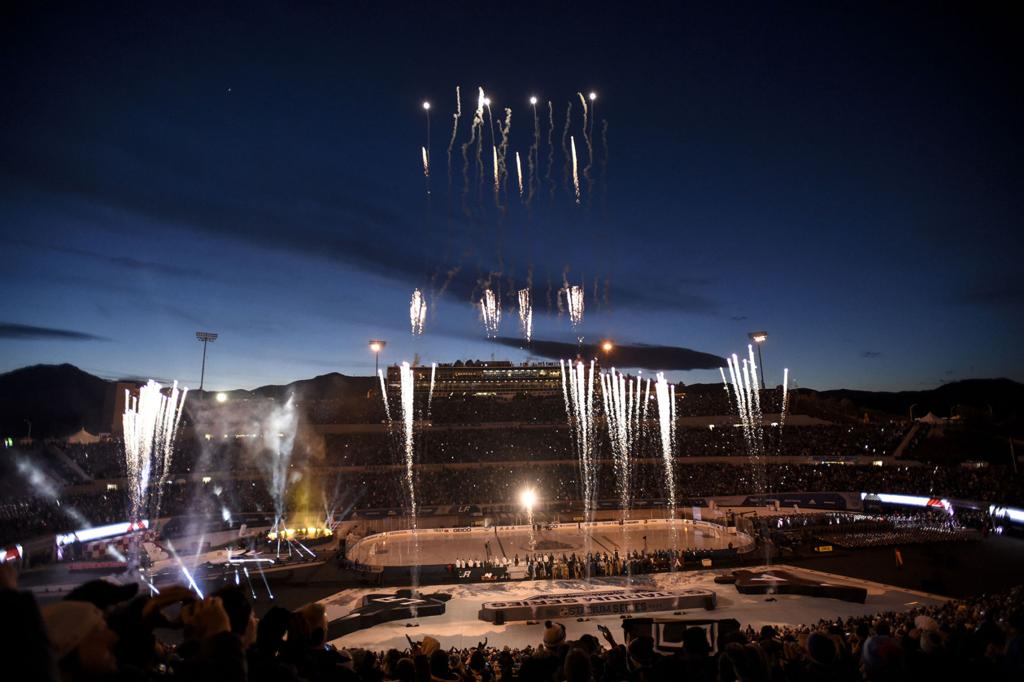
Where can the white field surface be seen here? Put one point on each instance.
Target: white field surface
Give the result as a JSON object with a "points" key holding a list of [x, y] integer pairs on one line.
{"points": [[460, 627], [444, 546]]}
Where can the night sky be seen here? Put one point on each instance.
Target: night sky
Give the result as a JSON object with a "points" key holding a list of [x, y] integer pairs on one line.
{"points": [[846, 178]]}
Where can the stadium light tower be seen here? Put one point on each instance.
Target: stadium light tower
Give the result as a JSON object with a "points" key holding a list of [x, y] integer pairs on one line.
{"points": [[377, 345], [759, 338], [205, 337]]}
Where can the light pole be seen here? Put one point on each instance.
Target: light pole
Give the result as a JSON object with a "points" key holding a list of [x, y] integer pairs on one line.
{"points": [[377, 345], [759, 338], [205, 337]]}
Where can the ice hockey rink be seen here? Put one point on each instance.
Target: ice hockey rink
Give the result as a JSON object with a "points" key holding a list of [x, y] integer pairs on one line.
{"points": [[445, 545]]}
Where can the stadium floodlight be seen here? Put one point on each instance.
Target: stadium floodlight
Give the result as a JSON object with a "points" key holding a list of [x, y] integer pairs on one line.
{"points": [[376, 346], [759, 338], [528, 498], [205, 337]]}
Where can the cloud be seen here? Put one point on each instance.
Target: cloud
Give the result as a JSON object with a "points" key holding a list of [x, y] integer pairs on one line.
{"points": [[871, 354], [640, 356], [10, 330]]}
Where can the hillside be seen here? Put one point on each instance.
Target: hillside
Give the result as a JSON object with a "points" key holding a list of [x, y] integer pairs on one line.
{"points": [[60, 399]]}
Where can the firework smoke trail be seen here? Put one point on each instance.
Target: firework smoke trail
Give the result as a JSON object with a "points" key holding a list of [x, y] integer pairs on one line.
{"points": [[604, 157], [473, 138], [531, 156], [565, 144], [150, 423], [417, 312], [575, 171], [665, 412], [587, 140], [526, 314], [551, 149], [278, 432], [490, 312], [574, 303], [455, 130], [503, 147], [519, 172], [579, 397]]}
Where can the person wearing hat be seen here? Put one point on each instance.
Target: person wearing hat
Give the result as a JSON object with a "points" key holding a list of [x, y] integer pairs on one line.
{"points": [[81, 641]]}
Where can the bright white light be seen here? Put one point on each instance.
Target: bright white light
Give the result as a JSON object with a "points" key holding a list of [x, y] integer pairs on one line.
{"points": [[528, 498], [533, 100], [487, 101], [593, 96], [222, 397], [426, 105]]}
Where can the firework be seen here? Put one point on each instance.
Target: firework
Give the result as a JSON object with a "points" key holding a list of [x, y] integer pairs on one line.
{"points": [[497, 173], [621, 397], [417, 312], [426, 162], [150, 424], [578, 392], [575, 169], [574, 303], [666, 412], [519, 172], [490, 312], [526, 313], [455, 130]]}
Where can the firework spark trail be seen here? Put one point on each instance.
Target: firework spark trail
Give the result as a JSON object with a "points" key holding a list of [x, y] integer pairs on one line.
{"points": [[575, 171], [497, 172], [455, 130], [150, 423], [426, 162], [519, 173], [384, 394], [573, 302], [417, 312], [785, 396], [430, 393], [621, 406], [665, 411], [526, 314], [565, 145], [579, 396], [551, 149], [490, 312], [408, 385]]}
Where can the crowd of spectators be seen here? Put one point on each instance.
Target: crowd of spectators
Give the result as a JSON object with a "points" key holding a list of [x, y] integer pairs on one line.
{"points": [[101, 632]]}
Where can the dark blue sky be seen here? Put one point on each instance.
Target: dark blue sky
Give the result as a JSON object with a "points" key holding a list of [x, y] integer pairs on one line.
{"points": [[847, 177]]}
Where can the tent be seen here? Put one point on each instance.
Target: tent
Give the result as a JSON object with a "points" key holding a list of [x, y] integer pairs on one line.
{"points": [[930, 418], [82, 437]]}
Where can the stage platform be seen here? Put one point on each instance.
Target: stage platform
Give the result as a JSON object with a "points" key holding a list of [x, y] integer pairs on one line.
{"points": [[460, 625]]}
